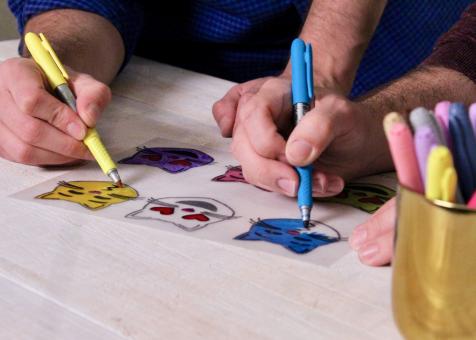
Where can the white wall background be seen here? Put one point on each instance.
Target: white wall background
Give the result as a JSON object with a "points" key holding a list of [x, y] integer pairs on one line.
{"points": [[8, 28]]}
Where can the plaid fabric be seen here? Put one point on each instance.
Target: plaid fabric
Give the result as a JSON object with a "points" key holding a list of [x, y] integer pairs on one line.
{"points": [[247, 39]]}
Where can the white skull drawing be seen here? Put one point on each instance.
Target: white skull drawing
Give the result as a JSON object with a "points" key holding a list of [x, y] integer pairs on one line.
{"points": [[187, 213]]}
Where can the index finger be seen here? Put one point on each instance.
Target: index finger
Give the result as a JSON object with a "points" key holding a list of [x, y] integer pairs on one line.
{"points": [[31, 97], [92, 97], [263, 115], [225, 110]]}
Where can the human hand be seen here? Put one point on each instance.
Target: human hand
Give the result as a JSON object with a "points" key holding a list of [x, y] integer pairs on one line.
{"points": [[373, 240], [337, 133], [258, 144], [35, 127]]}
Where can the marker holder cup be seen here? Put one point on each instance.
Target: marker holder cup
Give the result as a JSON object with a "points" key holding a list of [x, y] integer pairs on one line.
{"points": [[434, 269]]}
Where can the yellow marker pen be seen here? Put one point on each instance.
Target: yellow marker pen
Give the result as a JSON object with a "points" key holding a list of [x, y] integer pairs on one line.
{"points": [[449, 183], [438, 180], [46, 58]]}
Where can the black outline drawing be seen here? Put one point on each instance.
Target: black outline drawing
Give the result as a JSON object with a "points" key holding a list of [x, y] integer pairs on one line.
{"points": [[220, 178], [157, 164], [347, 196], [273, 231], [72, 188], [158, 201]]}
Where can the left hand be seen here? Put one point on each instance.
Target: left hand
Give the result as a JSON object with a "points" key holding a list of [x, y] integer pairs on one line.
{"points": [[373, 240], [341, 137]]}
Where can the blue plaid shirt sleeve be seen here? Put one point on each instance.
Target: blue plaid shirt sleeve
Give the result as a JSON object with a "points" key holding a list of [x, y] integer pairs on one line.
{"points": [[125, 15]]}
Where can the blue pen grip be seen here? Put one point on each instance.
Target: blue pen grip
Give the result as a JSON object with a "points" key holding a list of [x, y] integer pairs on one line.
{"points": [[305, 186]]}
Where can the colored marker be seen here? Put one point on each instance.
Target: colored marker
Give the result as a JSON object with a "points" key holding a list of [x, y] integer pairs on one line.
{"points": [[424, 139], [47, 60], [421, 117], [464, 145], [472, 117], [443, 119], [440, 178], [302, 96], [472, 201], [449, 185], [400, 141]]}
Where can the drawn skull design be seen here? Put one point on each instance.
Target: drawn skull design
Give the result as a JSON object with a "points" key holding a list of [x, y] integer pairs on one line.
{"points": [[187, 213], [232, 174], [291, 234], [172, 160]]}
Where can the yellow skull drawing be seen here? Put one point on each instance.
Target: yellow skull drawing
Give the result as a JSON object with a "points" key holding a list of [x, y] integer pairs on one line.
{"points": [[93, 195]]}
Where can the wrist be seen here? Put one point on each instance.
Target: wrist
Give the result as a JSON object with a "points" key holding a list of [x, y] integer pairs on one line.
{"points": [[85, 41], [378, 158], [325, 80]]}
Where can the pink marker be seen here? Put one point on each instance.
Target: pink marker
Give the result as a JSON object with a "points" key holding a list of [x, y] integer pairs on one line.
{"points": [[472, 116], [472, 201], [442, 114], [404, 157]]}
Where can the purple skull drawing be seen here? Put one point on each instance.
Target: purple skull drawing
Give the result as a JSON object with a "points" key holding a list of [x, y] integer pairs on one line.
{"points": [[173, 160]]}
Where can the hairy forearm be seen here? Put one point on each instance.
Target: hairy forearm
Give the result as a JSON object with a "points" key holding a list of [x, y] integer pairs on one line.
{"points": [[84, 41], [425, 87], [340, 31]]}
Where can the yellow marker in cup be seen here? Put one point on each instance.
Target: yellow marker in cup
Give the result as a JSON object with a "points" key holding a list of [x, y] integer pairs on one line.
{"points": [[441, 180]]}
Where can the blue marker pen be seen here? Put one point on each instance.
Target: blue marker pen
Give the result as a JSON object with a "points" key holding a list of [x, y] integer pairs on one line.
{"points": [[464, 144], [303, 94]]}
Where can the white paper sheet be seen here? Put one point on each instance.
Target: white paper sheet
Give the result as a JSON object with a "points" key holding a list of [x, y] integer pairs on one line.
{"points": [[247, 202]]}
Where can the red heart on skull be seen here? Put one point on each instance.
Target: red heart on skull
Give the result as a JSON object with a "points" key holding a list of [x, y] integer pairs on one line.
{"points": [[163, 210], [198, 217]]}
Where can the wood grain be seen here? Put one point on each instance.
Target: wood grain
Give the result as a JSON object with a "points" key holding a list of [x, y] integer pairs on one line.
{"points": [[65, 275]]}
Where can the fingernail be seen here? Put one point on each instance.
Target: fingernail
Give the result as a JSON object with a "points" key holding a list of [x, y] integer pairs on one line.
{"points": [[75, 130], [300, 150], [93, 112], [359, 236], [367, 253], [319, 185], [224, 123], [287, 186], [335, 186]]}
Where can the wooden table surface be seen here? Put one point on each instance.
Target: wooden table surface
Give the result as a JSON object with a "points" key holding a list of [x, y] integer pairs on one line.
{"points": [[65, 275]]}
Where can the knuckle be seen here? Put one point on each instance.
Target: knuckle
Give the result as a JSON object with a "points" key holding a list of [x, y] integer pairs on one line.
{"points": [[254, 106], [31, 131], [276, 83], [59, 116], [73, 149], [104, 92], [29, 103], [326, 128], [217, 110], [9, 66], [24, 154], [266, 144]]}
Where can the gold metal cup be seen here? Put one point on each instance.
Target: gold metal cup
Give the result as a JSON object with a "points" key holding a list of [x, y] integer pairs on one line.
{"points": [[434, 269]]}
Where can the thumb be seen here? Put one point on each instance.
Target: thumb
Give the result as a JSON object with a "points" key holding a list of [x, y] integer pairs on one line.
{"points": [[92, 97], [309, 138]]}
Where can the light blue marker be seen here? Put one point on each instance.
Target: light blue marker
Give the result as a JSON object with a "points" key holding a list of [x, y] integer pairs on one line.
{"points": [[303, 94]]}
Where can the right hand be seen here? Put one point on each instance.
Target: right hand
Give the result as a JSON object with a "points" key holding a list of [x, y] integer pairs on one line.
{"points": [[38, 129], [342, 138]]}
